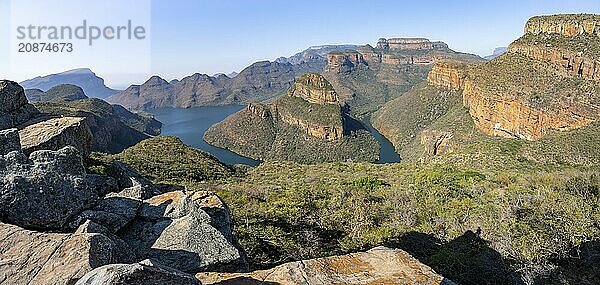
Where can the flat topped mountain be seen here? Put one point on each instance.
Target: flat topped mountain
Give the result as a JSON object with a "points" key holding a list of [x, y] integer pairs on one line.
{"points": [[306, 125], [314, 88], [409, 43], [92, 85]]}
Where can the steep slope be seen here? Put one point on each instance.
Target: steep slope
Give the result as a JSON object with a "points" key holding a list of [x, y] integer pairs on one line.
{"points": [[368, 78], [66, 92], [307, 125], [91, 84], [261, 82]]}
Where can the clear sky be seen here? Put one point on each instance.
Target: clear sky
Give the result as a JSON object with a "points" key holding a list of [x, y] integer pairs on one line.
{"points": [[189, 36]]}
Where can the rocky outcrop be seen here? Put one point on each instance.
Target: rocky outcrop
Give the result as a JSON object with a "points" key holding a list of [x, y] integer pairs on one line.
{"points": [[187, 231], [436, 142], [314, 88], [28, 257], [146, 272], [14, 108], [113, 127], [377, 266], [569, 25], [55, 180], [448, 75], [260, 110], [570, 62], [347, 59], [55, 134], [410, 44]]}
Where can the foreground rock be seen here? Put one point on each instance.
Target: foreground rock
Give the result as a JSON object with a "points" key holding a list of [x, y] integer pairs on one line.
{"points": [[187, 231], [44, 190], [146, 272], [55, 134], [14, 108], [28, 257], [377, 266]]}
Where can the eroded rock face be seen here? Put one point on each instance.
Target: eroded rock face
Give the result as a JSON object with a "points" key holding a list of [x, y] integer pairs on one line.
{"points": [[28, 257], [448, 75], [44, 190], [377, 266], [146, 272], [567, 25], [14, 108], [57, 133], [187, 231], [349, 60], [315, 89], [572, 63]]}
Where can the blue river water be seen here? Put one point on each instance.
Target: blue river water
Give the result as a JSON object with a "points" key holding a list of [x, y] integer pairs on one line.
{"points": [[191, 124]]}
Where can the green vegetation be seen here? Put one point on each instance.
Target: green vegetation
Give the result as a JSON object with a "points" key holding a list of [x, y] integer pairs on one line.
{"points": [[167, 159]]}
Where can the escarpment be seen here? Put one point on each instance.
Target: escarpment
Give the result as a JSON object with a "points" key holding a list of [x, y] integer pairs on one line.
{"points": [[547, 82], [307, 125]]}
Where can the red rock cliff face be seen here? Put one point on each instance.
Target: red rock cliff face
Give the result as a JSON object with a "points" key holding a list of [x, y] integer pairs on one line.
{"points": [[506, 116], [448, 75], [506, 105]]}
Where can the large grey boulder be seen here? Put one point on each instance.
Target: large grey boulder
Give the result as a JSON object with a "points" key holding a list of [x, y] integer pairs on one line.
{"points": [[28, 257], [56, 133], [44, 190], [147, 272], [14, 108], [190, 231], [9, 141]]}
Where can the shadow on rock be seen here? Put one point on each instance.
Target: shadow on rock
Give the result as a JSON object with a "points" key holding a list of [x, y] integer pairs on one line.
{"points": [[579, 267], [468, 259]]}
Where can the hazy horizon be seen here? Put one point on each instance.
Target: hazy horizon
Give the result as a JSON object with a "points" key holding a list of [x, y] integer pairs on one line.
{"points": [[224, 36]]}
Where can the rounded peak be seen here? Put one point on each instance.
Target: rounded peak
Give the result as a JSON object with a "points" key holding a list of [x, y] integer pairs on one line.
{"points": [[155, 80]]}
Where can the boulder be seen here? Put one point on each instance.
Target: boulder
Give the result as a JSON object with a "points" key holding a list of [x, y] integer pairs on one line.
{"points": [[28, 257], [112, 213], [44, 191], [185, 230], [14, 108], [147, 272], [57, 133], [9, 141], [377, 266]]}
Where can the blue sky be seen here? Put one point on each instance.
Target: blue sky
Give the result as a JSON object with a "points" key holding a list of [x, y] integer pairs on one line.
{"points": [[189, 36]]}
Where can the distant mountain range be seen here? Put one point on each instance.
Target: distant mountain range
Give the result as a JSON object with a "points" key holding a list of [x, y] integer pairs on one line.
{"points": [[497, 52], [92, 85]]}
